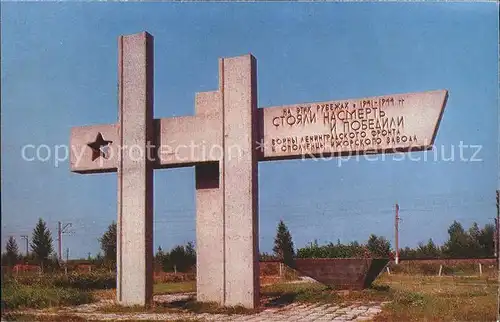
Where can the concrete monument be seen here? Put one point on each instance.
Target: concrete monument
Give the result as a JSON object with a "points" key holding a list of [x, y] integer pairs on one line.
{"points": [[228, 121]]}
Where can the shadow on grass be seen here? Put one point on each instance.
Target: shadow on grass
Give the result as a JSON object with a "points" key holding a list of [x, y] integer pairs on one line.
{"points": [[281, 296], [275, 296], [191, 305], [380, 288], [280, 300], [181, 306]]}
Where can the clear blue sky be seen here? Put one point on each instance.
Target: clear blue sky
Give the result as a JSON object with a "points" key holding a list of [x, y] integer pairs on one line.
{"points": [[59, 70]]}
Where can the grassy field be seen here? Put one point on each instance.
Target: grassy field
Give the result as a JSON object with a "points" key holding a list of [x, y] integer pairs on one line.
{"points": [[444, 298], [412, 297], [18, 296], [179, 287]]}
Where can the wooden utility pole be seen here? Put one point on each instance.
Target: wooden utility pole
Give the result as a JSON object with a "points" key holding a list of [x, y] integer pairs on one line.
{"points": [[497, 233], [396, 230], [497, 239]]}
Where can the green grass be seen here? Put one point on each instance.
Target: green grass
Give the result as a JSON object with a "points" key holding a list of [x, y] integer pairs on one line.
{"points": [[158, 289], [189, 305], [412, 297], [18, 296], [84, 281], [300, 292], [419, 298], [315, 292], [33, 317], [179, 287]]}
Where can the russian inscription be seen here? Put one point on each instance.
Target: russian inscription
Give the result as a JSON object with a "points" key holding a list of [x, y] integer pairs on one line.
{"points": [[358, 125]]}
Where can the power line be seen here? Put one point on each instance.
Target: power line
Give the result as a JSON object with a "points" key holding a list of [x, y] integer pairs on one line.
{"points": [[60, 231]]}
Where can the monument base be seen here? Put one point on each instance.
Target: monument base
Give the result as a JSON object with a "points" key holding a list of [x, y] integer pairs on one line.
{"points": [[342, 273]]}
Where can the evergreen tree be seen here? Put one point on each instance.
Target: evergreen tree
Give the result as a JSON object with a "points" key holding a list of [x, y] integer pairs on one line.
{"points": [[379, 246], [429, 250], [159, 252], [486, 240], [41, 242], [191, 253], [11, 252], [474, 247], [108, 244], [407, 252], [159, 257], [471, 243], [98, 260], [283, 245], [458, 242], [180, 258]]}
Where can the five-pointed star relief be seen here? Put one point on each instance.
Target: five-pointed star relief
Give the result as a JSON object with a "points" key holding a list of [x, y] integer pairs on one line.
{"points": [[99, 147]]}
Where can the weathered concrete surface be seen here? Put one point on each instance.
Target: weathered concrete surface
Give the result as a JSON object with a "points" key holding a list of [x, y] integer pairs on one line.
{"points": [[210, 244], [135, 171], [239, 90], [342, 273], [226, 197], [221, 141], [398, 122], [392, 123], [81, 159]]}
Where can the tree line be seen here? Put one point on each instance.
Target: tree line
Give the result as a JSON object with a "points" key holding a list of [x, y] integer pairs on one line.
{"points": [[474, 242], [42, 251], [180, 258], [283, 250]]}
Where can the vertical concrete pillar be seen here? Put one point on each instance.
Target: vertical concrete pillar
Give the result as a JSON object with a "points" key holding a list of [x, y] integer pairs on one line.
{"points": [[135, 171], [210, 209], [239, 95]]}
